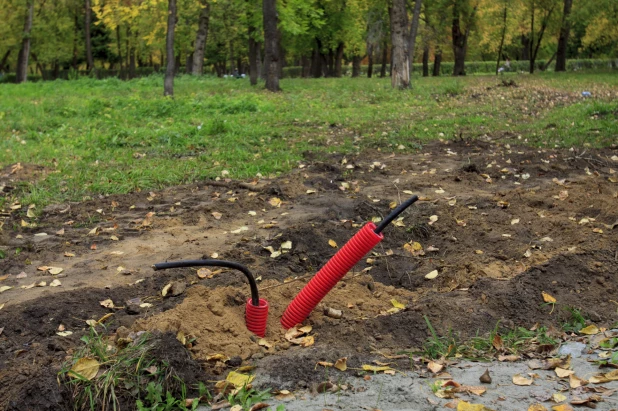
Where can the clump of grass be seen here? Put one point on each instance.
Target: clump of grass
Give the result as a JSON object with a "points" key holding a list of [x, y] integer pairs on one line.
{"points": [[439, 346], [576, 321], [125, 373], [248, 397]]}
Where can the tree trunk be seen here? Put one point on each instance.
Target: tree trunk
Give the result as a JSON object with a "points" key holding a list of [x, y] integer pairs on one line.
{"points": [[330, 64], [89, 58], [189, 63], [260, 63], [119, 50], [306, 66], [316, 64], [200, 39], [531, 45], [384, 59], [168, 84], [24, 52], [564, 36], [426, 61], [338, 60], [413, 32], [132, 67], [437, 61], [525, 47], [5, 58], [271, 44], [281, 62], [546, 65], [504, 15], [400, 68], [534, 51], [253, 57], [356, 65], [370, 62]]}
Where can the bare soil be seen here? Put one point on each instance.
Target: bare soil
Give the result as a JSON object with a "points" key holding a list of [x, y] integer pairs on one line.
{"points": [[512, 222]]}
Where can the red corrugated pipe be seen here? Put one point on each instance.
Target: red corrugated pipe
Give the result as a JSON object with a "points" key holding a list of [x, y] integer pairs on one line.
{"points": [[337, 267]]}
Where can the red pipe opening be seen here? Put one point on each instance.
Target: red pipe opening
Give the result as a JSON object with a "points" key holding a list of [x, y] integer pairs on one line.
{"points": [[256, 317], [334, 270]]}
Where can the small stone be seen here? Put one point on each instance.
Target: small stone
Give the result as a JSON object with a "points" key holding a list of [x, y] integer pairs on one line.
{"points": [[178, 287], [122, 332], [257, 356], [573, 348], [234, 361]]}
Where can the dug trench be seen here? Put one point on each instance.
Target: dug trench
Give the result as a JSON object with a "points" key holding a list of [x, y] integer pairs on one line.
{"points": [[512, 222]]}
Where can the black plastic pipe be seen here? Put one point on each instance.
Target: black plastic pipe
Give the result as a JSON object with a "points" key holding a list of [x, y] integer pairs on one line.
{"points": [[395, 213], [255, 298]]}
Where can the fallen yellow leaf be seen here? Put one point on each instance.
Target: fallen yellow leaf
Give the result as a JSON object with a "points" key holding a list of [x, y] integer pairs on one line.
{"points": [[397, 304], [548, 298], [590, 330], [332, 243], [466, 406], [374, 368], [536, 407], [85, 368], [341, 364], [239, 380]]}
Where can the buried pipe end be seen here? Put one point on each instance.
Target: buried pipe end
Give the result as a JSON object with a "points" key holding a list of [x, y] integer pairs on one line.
{"points": [[256, 317]]}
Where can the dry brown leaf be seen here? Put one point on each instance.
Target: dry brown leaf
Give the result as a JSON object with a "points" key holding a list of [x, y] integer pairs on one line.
{"points": [[217, 215], [575, 381], [519, 379], [435, 367], [603, 378], [264, 343], [497, 342], [107, 303], [307, 341], [374, 368], [341, 364], [562, 373]]}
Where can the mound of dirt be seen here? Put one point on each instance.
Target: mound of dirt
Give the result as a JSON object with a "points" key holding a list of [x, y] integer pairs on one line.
{"points": [[215, 317]]}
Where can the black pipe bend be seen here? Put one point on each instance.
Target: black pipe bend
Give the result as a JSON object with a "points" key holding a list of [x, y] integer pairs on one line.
{"points": [[255, 298]]}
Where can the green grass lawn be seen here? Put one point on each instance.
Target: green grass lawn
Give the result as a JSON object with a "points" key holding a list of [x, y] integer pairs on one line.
{"points": [[108, 136]]}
